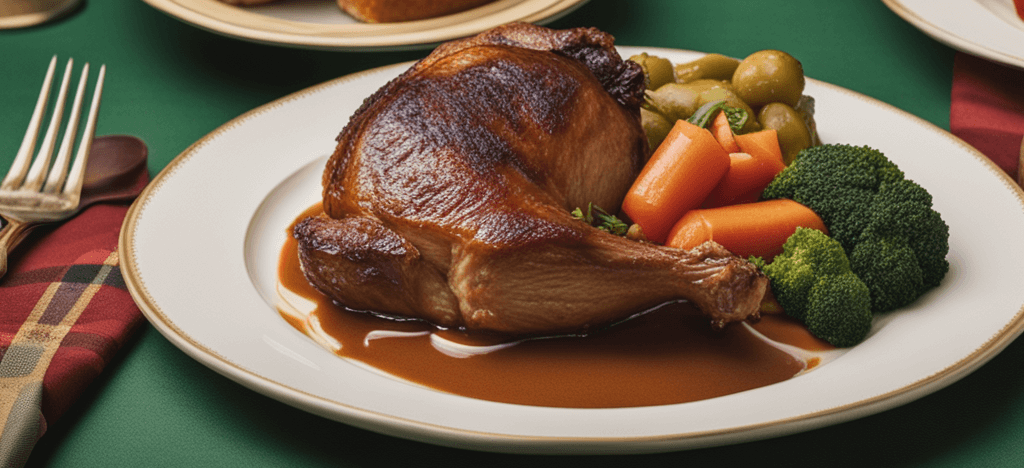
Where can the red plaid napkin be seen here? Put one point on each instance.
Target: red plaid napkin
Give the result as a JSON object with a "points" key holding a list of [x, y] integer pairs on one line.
{"points": [[64, 313], [987, 108]]}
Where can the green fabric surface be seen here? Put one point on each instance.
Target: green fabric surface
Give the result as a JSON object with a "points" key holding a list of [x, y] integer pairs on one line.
{"points": [[170, 83]]}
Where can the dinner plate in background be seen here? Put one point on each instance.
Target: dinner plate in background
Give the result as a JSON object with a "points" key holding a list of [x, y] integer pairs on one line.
{"points": [[989, 29], [200, 251], [321, 24]]}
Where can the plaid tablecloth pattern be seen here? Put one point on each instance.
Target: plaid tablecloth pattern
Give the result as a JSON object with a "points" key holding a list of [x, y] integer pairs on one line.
{"points": [[64, 313]]}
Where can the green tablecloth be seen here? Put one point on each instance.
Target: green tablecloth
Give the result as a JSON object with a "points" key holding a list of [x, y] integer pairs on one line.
{"points": [[170, 83]]}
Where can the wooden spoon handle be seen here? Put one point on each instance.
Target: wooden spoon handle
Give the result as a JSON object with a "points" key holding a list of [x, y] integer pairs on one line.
{"points": [[10, 236]]}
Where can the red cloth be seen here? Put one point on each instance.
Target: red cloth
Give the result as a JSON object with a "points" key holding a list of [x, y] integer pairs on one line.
{"points": [[987, 108], [71, 254], [64, 307]]}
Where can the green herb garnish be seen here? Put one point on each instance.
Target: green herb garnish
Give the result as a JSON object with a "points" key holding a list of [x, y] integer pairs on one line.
{"points": [[601, 219]]}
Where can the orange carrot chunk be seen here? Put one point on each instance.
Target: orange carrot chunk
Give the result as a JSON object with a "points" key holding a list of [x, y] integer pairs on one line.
{"points": [[723, 133], [749, 229], [743, 183], [682, 171], [761, 145]]}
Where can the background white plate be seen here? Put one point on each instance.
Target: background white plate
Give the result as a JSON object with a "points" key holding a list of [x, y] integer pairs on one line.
{"points": [[199, 252], [987, 28], [320, 24]]}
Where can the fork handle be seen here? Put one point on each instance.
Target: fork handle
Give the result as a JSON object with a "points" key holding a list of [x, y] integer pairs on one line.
{"points": [[10, 236]]}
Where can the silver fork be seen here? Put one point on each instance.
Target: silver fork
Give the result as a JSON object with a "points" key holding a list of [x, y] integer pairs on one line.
{"points": [[34, 190]]}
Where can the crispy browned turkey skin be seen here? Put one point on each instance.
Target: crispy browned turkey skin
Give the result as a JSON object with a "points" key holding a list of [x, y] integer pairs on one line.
{"points": [[448, 197]]}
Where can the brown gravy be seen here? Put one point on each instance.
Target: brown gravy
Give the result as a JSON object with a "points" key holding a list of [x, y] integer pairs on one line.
{"points": [[668, 355]]}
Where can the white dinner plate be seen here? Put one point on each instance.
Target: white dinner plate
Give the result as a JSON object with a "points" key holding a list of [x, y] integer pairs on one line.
{"points": [[200, 252], [320, 24], [987, 28]]}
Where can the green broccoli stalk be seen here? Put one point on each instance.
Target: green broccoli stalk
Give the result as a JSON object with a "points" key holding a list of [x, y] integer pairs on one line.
{"points": [[895, 241], [813, 283]]}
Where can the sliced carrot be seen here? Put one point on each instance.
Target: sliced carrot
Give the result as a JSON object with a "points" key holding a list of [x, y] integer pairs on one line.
{"points": [[746, 179], [749, 229], [680, 174], [723, 133], [763, 144]]}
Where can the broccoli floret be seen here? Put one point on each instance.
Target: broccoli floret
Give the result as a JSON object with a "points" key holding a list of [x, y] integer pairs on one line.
{"points": [[806, 256], [890, 270], [813, 283], [896, 242], [839, 310], [903, 210]]}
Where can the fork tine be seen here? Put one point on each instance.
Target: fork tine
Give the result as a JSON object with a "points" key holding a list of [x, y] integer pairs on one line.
{"points": [[60, 164], [20, 165], [41, 164], [76, 177]]}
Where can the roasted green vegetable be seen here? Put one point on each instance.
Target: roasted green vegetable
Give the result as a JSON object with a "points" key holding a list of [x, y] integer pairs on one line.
{"points": [[769, 76], [897, 244], [813, 283]]}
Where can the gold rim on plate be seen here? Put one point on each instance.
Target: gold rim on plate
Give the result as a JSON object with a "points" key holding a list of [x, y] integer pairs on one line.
{"points": [[945, 28], [251, 25], [980, 351]]}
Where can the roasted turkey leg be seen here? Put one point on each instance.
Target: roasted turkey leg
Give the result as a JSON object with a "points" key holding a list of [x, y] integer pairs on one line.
{"points": [[448, 195]]}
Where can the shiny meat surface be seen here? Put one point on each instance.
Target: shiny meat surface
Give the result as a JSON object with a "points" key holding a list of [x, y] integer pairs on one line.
{"points": [[449, 193]]}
